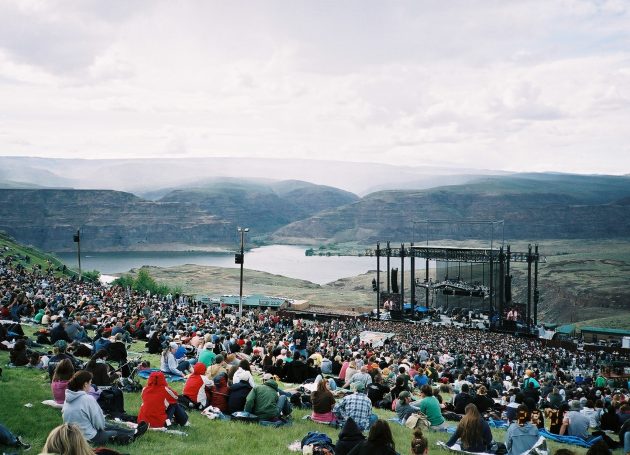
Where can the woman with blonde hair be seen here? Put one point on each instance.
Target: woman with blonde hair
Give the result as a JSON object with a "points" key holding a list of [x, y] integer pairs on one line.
{"points": [[67, 439], [473, 431]]}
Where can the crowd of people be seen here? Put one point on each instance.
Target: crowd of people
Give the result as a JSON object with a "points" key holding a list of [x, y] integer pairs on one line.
{"points": [[520, 381]]}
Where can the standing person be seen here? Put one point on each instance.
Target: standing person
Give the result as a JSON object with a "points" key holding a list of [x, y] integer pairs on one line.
{"points": [[323, 402], [522, 435], [83, 410], [472, 431], [159, 406], [379, 442]]}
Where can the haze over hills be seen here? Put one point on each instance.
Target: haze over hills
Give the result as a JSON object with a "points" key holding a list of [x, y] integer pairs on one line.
{"points": [[142, 176], [534, 206]]}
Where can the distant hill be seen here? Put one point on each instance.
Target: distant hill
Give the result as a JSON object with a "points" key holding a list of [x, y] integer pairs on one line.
{"points": [[182, 219], [534, 206]]}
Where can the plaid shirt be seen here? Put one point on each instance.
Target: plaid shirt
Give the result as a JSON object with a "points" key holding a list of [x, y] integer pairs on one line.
{"points": [[358, 406]]}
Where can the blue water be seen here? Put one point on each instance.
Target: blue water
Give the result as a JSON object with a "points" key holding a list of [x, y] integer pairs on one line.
{"points": [[286, 260]]}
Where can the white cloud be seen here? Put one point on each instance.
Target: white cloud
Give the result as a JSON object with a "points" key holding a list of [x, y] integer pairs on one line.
{"points": [[530, 85]]}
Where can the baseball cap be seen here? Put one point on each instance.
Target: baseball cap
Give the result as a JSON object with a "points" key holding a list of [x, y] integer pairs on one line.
{"points": [[61, 344], [404, 394]]}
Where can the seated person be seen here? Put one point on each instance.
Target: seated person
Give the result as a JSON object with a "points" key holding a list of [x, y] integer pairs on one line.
{"points": [[522, 435], [429, 405], [59, 353], [237, 396], [358, 406], [461, 400], [349, 437], [376, 391], [83, 410], [19, 355], [419, 444], [197, 387], [323, 402], [160, 407], [483, 402], [60, 379], [404, 408], [380, 441], [102, 373], [574, 423], [473, 431], [220, 392], [265, 402]]}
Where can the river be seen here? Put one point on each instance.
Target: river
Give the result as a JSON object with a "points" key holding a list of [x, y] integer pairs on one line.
{"points": [[286, 260]]}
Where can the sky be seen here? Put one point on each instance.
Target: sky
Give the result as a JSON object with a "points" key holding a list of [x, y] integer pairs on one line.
{"points": [[513, 85]]}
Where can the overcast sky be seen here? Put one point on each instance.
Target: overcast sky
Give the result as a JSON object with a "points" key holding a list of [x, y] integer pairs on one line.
{"points": [[513, 85]]}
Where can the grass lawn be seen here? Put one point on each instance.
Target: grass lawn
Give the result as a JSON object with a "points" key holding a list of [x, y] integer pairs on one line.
{"points": [[19, 386]]}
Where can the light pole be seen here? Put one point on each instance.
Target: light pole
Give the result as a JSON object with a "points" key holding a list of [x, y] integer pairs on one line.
{"points": [[77, 240], [240, 259]]}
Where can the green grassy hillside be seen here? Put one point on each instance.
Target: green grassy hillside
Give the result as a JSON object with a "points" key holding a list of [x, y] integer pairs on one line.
{"points": [[21, 386]]}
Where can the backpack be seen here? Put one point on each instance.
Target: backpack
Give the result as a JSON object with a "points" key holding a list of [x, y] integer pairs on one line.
{"points": [[317, 439], [112, 402]]}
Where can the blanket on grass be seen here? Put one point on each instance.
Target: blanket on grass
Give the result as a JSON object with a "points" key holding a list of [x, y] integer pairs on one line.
{"points": [[573, 440], [169, 377]]}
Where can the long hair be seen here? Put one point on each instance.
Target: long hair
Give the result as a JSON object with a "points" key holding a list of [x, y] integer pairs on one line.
{"points": [[470, 426], [63, 371], [322, 386], [67, 439], [381, 434]]}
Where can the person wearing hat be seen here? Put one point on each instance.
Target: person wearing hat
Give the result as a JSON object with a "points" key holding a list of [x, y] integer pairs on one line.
{"points": [[404, 408], [207, 355], [574, 423], [358, 406]]}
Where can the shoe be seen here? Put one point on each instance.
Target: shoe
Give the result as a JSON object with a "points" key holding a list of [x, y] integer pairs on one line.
{"points": [[187, 424], [23, 445], [141, 429]]}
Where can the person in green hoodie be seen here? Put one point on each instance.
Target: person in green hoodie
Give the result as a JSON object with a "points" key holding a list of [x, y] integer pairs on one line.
{"points": [[265, 402]]}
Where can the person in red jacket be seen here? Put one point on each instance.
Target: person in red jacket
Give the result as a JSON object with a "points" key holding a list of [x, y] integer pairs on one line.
{"points": [[197, 386], [220, 392], [159, 404]]}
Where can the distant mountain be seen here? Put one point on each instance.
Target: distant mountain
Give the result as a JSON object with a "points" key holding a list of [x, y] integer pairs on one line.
{"points": [[143, 176], [109, 221], [264, 207], [181, 219], [533, 206]]}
